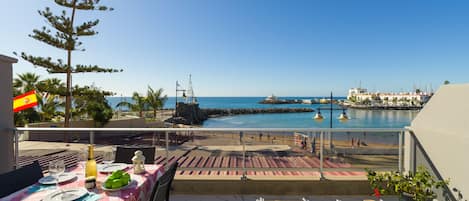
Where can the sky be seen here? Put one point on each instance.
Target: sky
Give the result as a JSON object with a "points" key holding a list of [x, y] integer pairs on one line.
{"points": [[258, 47]]}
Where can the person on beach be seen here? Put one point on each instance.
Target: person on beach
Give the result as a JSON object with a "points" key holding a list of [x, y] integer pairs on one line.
{"points": [[260, 136], [313, 146], [353, 145]]}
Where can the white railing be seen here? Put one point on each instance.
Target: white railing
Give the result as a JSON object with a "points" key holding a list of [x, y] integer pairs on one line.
{"points": [[321, 131]]}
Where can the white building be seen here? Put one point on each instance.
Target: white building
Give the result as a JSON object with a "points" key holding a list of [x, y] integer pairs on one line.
{"points": [[402, 98]]}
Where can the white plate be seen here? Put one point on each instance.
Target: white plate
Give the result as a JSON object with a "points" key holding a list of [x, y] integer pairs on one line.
{"points": [[69, 194], [109, 168], [64, 177], [131, 182]]}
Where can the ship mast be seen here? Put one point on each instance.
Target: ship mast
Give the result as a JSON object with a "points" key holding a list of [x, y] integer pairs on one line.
{"points": [[190, 92]]}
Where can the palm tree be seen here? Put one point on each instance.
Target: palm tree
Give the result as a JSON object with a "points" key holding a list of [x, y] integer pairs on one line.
{"points": [[49, 107], [155, 99], [138, 105], [26, 82], [49, 90]]}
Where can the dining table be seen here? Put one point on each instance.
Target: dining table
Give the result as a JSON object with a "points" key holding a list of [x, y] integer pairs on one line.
{"points": [[139, 189]]}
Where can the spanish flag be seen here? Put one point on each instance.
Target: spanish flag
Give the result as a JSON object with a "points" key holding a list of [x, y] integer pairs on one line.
{"points": [[25, 101]]}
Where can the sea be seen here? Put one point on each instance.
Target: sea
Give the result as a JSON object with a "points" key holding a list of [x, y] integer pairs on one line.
{"points": [[358, 118]]}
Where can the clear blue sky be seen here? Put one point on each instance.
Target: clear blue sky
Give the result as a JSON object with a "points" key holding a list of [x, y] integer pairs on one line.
{"points": [[259, 47]]}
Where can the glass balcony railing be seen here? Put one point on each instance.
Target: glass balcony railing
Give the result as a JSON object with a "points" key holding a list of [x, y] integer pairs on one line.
{"points": [[231, 153]]}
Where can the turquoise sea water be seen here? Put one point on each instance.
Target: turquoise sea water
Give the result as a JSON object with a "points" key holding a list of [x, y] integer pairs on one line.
{"points": [[358, 118]]}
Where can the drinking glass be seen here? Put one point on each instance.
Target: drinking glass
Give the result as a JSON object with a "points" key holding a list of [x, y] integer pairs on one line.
{"points": [[53, 172], [82, 158], [108, 157]]}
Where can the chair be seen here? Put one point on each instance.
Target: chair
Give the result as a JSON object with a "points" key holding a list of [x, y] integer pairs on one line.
{"points": [[163, 185], [124, 154], [20, 178]]}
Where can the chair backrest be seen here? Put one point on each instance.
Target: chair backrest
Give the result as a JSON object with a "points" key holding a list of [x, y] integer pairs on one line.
{"points": [[124, 154], [20, 178], [163, 185]]}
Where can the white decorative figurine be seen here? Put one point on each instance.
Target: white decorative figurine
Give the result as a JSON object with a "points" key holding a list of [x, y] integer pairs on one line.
{"points": [[138, 162]]}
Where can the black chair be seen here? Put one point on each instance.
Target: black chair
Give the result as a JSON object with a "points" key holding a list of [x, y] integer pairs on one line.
{"points": [[163, 185], [20, 178], [124, 154]]}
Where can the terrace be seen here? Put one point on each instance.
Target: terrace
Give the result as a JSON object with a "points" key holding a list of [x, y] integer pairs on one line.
{"points": [[255, 162]]}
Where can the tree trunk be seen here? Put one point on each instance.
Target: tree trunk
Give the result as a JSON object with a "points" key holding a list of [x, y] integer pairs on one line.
{"points": [[68, 97], [154, 113]]}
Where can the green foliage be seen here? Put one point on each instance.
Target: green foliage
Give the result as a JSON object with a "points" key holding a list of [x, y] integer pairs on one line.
{"points": [[446, 82], [155, 99], [140, 103], [63, 33], [26, 116], [418, 185], [92, 102], [25, 82]]}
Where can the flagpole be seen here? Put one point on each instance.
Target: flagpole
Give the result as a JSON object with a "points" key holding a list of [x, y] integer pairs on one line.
{"points": [[176, 105]]}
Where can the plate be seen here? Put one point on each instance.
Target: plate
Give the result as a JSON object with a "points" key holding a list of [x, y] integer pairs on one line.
{"points": [[111, 167], [131, 182], [69, 194], [64, 177]]}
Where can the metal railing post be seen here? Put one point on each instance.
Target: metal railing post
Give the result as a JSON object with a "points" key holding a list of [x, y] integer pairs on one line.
{"points": [[91, 137], [241, 135], [167, 150], [17, 148], [400, 152], [321, 156]]}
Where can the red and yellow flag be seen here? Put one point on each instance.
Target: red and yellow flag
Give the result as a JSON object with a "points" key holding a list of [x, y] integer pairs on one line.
{"points": [[25, 101]]}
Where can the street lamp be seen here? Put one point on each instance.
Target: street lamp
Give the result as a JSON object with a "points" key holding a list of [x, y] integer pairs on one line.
{"points": [[343, 116]]}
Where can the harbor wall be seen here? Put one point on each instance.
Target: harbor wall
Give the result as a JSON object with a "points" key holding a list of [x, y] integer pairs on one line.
{"points": [[214, 112]]}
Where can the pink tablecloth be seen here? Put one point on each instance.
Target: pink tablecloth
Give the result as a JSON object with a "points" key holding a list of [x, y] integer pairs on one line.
{"points": [[140, 190]]}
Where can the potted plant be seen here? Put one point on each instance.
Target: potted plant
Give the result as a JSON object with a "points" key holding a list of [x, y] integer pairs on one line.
{"points": [[417, 186]]}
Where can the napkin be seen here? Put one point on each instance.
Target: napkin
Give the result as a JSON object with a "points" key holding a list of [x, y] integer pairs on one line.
{"points": [[39, 188]]}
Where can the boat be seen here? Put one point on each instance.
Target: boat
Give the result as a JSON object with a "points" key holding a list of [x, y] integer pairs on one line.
{"points": [[271, 98]]}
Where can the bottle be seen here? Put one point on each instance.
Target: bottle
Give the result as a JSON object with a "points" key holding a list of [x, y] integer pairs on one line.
{"points": [[90, 169]]}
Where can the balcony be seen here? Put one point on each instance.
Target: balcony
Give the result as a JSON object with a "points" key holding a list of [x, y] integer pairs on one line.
{"points": [[239, 163]]}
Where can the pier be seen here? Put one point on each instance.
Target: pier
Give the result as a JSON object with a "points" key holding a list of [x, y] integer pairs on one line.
{"points": [[214, 112]]}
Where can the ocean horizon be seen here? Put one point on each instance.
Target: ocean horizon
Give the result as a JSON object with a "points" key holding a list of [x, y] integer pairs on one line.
{"points": [[358, 118]]}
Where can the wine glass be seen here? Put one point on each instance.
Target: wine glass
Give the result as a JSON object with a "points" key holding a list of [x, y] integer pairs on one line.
{"points": [[82, 157], [109, 157], [53, 172]]}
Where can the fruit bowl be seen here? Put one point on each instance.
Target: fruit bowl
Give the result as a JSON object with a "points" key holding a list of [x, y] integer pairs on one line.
{"points": [[131, 182], [117, 180]]}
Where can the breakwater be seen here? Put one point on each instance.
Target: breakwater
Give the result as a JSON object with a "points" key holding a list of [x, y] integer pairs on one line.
{"points": [[215, 112]]}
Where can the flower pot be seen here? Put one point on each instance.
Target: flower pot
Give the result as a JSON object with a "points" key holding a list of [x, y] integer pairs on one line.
{"points": [[408, 197]]}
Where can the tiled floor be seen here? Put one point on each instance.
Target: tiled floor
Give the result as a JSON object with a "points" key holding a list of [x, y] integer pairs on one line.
{"points": [[274, 198]]}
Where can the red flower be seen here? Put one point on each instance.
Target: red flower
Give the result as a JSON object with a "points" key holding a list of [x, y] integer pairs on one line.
{"points": [[377, 194]]}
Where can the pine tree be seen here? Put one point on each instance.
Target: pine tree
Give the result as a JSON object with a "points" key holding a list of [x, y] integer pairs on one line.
{"points": [[66, 38]]}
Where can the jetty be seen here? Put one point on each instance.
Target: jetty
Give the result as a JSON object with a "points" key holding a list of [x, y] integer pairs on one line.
{"points": [[214, 112]]}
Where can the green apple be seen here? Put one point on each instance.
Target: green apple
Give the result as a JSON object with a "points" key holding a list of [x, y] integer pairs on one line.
{"points": [[116, 183], [117, 174], [126, 177], [108, 184]]}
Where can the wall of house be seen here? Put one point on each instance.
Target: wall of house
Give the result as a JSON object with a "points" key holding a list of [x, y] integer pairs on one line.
{"points": [[6, 113], [441, 130]]}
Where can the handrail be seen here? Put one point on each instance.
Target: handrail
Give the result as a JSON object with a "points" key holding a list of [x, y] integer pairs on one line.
{"points": [[220, 129], [167, 131]]}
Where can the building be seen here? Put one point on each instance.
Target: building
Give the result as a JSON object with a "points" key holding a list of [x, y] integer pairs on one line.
{"points": [[361, 95]]}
